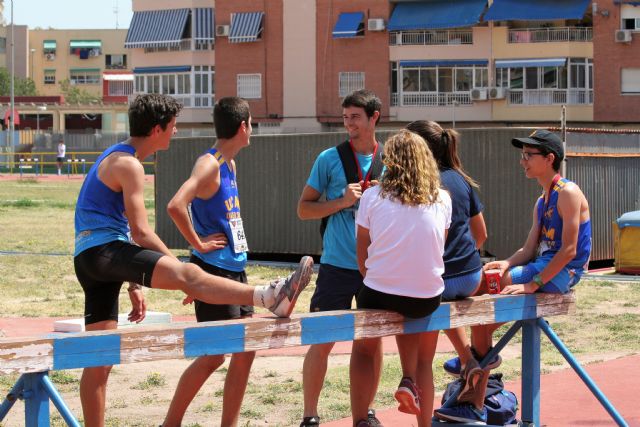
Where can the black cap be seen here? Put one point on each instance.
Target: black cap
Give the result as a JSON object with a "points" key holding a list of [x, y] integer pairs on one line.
{"points": [[542, 138]]}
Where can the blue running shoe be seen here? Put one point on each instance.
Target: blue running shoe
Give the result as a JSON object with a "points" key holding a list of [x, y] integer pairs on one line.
{"points": [[453, 366], [463, 414]]}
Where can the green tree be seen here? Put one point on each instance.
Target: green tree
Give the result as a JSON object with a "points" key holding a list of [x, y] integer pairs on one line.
{"points": [[75, 95], [21, 87]]}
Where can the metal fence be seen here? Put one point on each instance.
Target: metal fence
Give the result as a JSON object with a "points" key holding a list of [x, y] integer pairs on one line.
{"points": [[548, 35], [273, 171], [431, 37]]}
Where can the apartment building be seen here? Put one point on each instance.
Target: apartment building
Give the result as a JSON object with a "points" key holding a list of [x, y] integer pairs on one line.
{"points": [[93, 60], [471, 61], [616, 45], [172, 53]]}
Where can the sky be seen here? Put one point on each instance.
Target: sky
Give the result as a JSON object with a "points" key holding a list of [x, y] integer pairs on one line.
{"points": [[66, 14]]}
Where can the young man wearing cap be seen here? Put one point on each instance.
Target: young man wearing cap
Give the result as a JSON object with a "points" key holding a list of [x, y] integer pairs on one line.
{"points": [[556, 252], [109, 212], [339, 279]]}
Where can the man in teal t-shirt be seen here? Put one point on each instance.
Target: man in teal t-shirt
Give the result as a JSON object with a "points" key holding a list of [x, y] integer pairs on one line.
{"points": [[338, 278]]}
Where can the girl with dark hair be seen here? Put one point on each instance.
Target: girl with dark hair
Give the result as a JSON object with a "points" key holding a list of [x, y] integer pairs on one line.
{"points": [[463, 267]]}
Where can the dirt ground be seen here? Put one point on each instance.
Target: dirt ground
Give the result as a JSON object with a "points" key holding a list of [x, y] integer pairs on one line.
{"points": [[139, 394]]}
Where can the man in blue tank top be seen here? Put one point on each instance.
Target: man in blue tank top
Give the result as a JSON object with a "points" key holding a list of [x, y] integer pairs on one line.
{"points": [[556, 252], [215, 232], [110, 212], [339, 279]]}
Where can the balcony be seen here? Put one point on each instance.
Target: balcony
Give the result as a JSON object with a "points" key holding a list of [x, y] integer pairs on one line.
{"points": [[429, 99], [183, 45], [431, 37], [188, 101], [551, 35], [551, 97]]}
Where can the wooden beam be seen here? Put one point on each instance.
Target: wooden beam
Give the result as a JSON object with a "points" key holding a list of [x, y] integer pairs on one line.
{"points": [[178, 340]]}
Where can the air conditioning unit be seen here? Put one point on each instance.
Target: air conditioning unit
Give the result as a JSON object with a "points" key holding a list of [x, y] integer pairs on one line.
{"points": [[497, 93], [478, 94], [376, 24], [623, 36], [50, 56], [222, 30]]}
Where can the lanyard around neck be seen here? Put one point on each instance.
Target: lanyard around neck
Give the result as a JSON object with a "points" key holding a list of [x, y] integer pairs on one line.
{"points": [[355, 156], [545, 204]]}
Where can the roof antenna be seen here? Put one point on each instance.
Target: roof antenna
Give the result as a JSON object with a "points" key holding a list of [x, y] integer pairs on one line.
{"points": [[115, 11]]}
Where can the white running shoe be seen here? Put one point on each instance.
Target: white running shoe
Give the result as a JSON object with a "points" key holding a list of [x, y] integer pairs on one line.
{"points": [[287, 290]]}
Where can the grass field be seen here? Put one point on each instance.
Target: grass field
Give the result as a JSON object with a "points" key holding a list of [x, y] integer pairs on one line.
{"points": [[37, 219]]}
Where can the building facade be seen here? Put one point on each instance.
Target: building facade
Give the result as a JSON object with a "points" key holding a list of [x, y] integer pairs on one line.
{"points": [[468, 61], [616, 61]]}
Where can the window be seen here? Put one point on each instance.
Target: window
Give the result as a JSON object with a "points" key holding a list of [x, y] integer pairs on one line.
{"points": [[115, 62], [630, 81], [349, 81], [443, 79], [580, 73], [204, 89], [49, 77], [464, 79], [630, 16], [120, 88], [139, 83], [49, 48], [84, 77], [531, 77], [249, 86]]}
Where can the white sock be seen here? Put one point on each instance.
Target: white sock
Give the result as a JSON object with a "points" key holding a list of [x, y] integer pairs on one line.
{"points": [[263, 296]]}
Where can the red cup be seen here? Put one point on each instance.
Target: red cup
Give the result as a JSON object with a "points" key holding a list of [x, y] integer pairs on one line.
{"points": [[493, 277]]}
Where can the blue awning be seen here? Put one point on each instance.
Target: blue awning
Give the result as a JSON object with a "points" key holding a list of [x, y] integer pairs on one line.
{"points": [[153, 28], [536, 10], [538, 62], [435, 14], [445, 63], [204, 24], [245, 27], [159, 70], [349, 25]]}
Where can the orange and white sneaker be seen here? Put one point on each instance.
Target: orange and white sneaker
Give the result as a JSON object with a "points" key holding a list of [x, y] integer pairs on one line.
{"points": [[408, 397]]}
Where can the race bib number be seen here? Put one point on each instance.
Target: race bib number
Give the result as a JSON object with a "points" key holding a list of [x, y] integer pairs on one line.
{"points": [[239, 239]]}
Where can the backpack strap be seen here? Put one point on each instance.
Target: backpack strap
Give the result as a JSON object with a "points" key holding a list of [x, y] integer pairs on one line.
{"points": [[348, 162], [351, 172]]}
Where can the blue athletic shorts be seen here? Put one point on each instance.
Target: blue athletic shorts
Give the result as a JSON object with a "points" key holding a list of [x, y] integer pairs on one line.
{"points": [[335, 288], [462, 286], [561, 283]]}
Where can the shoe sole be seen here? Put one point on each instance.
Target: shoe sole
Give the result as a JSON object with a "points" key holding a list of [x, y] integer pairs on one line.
{"points": [[407, 401], [444, 417], [490, 366], [300, 280], [474, 379]]}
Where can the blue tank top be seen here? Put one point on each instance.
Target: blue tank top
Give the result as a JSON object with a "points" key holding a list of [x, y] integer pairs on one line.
{"points": [[99, 216], [213, 215], [551, 234]]}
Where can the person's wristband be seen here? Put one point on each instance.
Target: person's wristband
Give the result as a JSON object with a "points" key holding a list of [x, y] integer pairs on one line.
{"points": [[133, 287], [538, 281]]}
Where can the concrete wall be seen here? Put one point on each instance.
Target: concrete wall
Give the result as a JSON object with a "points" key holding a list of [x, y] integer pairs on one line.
{"points": [[299, 65]]}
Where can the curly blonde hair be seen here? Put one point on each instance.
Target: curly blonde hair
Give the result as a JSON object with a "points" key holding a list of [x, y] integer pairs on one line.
{"points": [[411, 175]]}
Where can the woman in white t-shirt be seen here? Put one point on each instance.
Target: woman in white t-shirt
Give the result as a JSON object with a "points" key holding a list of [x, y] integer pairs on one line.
{"points": [[402, 224]]}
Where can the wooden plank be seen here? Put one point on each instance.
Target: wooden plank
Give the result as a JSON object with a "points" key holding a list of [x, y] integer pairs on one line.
{"points": [[162, 342]]}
